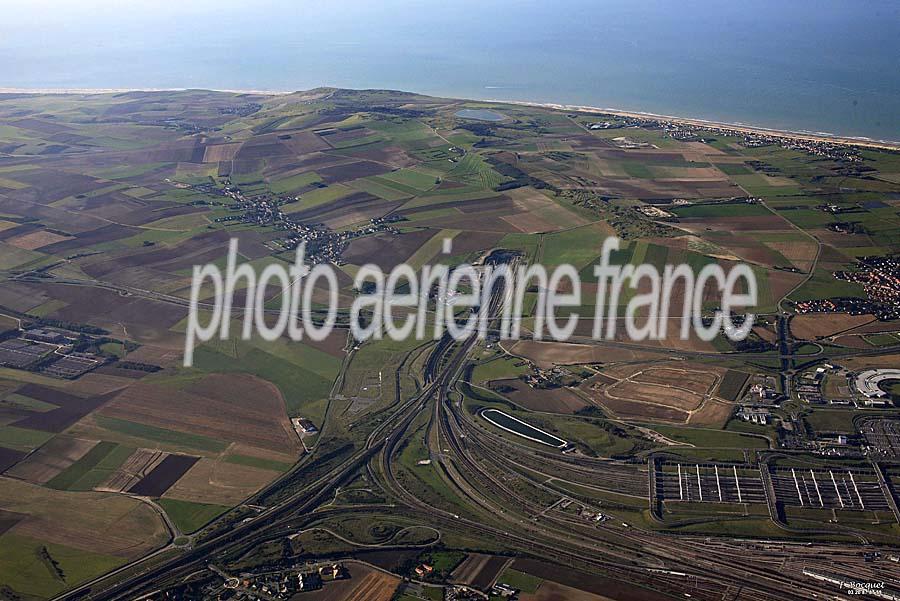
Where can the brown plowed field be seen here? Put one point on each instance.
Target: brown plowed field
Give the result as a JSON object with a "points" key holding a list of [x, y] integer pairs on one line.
{"points": [[221, 152], [554, 400], [859, 363], [147, 321], [155, 355], [303, 142], [9, 457], [52, 458], [98, 235], [766, 333], [478, 570], [877, 327], [713, 414], [624, 407], [202, 249], [530, 223], [392, 155], [91, 521], [671, 341], [364, 584], [139, 464], [853, 341], [70, 411], [481, 222], [553, 591], [38, 239], [95, 383], [547, 354], [333, 343], [232, 407], [345, 173], [219, 482], [651, 393], [163, 476], [593, 583], [780, 283], [699, 382], [811, 326], [800, 252], [386, 250]]}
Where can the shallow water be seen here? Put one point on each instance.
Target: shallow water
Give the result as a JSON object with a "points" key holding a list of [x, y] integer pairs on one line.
{"points": [[480, 115]]}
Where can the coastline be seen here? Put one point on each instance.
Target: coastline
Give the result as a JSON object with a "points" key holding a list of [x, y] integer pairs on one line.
{"points": [[64, 91], [860, 141], [738, 127]]}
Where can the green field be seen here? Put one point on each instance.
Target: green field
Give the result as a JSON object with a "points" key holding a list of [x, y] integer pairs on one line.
{"points": [[111, 200], [190, 517], [419, 181], [24, 566], [22, 439], [298, 385], [76, 473], [25, 402], [577, 247], [499, 368], [830, 420], [703, 437], [161, 435], [295, 182], [520, 580], [732, 384], [383, 188], [319, 196]]}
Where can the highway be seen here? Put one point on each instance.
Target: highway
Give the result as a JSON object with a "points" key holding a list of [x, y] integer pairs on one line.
{"points": [[506, 497]]}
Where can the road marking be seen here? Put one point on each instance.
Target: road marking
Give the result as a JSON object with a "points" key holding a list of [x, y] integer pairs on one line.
{"points": [[853, 480], [797, 484], [737, 483], [836, 489], [699, 484], [816, 484], [718, 485]]}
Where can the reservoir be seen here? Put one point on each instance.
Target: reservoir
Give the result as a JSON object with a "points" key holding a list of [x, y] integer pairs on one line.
{"points": [[520, 428], [480, 115]]}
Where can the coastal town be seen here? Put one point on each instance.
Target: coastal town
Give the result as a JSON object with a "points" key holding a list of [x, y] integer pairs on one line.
{"points": [[879, 277]]}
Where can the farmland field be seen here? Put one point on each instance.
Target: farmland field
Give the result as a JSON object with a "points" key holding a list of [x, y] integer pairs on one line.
{"points": [[317, 452]]}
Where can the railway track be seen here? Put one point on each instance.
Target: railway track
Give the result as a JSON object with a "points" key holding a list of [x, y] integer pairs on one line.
{"points": [[709, 570]]}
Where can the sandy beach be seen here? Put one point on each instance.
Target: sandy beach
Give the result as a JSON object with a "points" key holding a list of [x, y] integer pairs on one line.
{"points": [[738, 127]]}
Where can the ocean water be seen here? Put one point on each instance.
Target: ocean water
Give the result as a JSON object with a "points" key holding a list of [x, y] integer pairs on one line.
{"points": [[814, 65]]}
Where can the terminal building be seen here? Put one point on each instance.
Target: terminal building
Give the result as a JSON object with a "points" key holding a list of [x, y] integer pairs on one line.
{"points": [[868, 383]]}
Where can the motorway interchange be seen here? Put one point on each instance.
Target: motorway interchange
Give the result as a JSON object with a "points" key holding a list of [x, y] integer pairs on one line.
{"points": [[505, 484]]}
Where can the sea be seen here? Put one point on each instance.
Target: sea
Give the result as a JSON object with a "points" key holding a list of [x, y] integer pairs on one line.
{"points": [[825, 66]]}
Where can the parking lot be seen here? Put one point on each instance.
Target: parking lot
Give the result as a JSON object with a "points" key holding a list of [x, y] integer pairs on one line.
{"points": [[707, 482], [833, 489], [21, 354]]}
